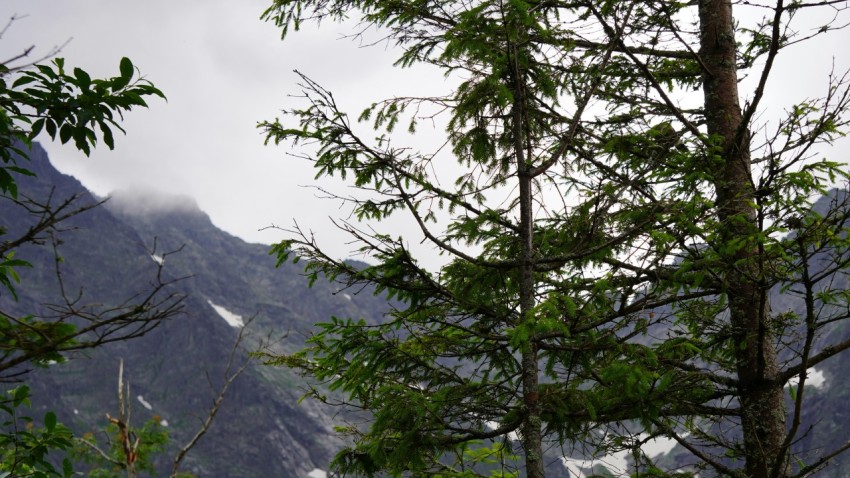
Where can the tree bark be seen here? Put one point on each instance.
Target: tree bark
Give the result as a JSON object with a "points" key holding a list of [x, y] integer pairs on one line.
{"points": [[761, 397], [532, 427]]}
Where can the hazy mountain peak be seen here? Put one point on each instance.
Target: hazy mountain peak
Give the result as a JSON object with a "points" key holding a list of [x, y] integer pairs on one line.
{"points": [[145, 202]]}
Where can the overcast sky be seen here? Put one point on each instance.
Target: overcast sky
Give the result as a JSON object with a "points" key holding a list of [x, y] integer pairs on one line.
{"points": [[224, 70]]}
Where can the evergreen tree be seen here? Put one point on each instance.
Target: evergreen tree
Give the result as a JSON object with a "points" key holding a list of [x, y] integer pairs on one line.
{"points": [[612, 242]]}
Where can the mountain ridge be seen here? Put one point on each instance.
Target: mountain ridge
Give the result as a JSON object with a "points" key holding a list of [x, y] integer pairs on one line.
{"points": [[112, 252]]}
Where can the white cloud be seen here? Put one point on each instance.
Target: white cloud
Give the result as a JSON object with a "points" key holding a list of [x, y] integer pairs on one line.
{"points": [[141, 202], [224, 70]]}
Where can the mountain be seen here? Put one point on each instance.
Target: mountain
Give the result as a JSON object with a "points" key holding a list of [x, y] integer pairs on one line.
{"points": [[111, 253]]}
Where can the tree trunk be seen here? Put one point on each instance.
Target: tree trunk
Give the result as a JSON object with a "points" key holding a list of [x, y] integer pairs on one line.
{"points": [[761, 398], [532, 433], [532, 428]]}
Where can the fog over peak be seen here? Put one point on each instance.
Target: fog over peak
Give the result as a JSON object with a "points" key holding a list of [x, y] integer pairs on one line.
{"points": [[146, 202]]}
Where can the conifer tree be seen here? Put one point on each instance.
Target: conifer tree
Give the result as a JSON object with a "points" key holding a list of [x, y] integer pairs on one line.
{"points": [[613, 239]]}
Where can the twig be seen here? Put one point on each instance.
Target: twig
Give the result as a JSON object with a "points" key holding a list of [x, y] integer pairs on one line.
{"points": [[229, 376]]}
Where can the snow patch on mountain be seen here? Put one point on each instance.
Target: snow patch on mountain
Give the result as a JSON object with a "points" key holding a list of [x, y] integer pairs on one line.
{"points": [[513, 436], [660, 446], [618, 462], [814, 377], [144, 402], [234, 320]]}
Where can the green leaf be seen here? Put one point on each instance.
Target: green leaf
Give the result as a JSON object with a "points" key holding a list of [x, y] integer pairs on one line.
{"points": [[66, 132], [47, 71], [50, 421], [67, 468], [127, 70], [83, 78], [20, 394], [25, 79], [36, 128], [50, 127], [108, 140]]}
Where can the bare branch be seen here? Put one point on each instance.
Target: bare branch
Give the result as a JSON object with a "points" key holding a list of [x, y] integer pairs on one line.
{"points": [[230, 375]]}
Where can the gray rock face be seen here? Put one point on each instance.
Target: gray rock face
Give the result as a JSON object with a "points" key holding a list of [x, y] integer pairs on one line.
{"points": [[261, 431]]}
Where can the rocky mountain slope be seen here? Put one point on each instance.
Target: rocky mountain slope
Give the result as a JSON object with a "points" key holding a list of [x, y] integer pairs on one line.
{"points": [[175, 370]]}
